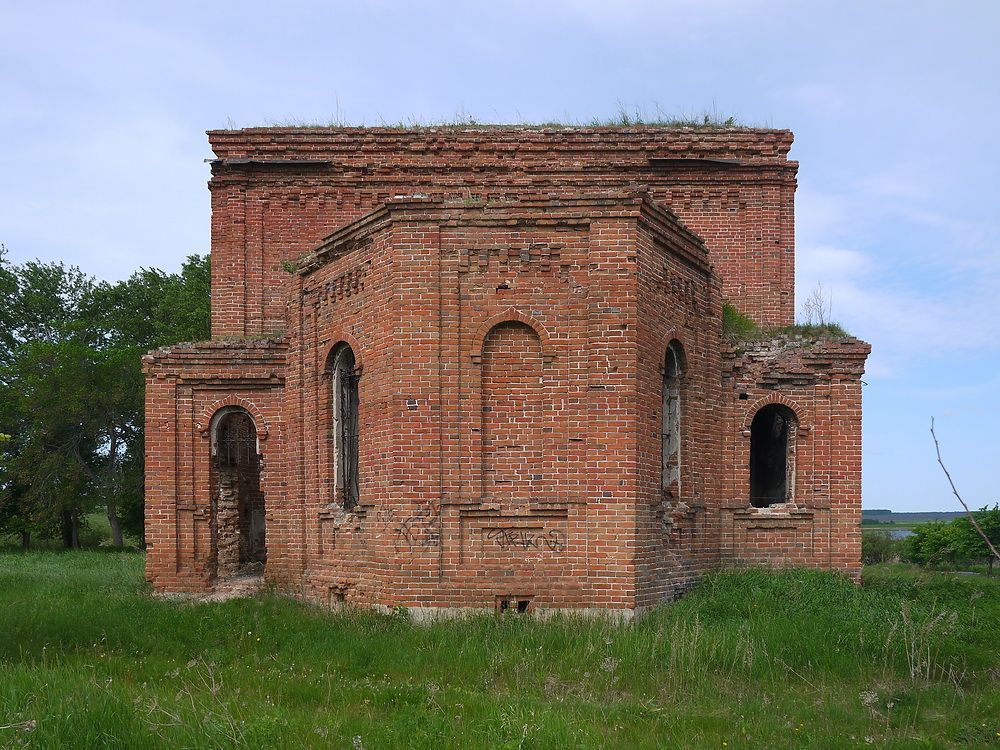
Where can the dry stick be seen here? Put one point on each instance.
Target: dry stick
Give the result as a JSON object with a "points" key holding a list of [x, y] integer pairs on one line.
{"points": [[954, 491]]}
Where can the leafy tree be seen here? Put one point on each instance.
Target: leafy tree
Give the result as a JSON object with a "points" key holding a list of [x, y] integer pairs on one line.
{"points": [[956, 541], [147, 310], [933, 544], [41, 485], [970, 545], [72, 389]]}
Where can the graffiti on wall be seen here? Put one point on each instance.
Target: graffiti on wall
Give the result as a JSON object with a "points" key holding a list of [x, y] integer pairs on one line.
{"points": [[514, 538]]}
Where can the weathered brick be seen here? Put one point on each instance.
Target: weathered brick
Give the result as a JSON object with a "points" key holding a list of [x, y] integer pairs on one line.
{"points": [[509, 296]]}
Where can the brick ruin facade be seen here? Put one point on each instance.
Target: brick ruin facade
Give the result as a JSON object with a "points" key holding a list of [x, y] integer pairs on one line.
{"points": [[485, 368]]}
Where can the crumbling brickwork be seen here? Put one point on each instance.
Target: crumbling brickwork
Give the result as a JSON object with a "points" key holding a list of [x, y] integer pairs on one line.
{"points": [[538, 409]]}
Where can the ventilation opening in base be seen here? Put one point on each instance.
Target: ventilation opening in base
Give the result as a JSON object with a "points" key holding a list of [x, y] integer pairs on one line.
{"points": [[514, 604], [338, 598]]}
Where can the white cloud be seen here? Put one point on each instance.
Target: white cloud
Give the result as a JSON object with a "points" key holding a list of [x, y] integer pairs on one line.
{"points": [[821, 216], [829, 264], [915, 282]]}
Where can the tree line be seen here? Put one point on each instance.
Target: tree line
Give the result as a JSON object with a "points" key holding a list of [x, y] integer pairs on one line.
{"points": [[953, 544], [72, 390]]}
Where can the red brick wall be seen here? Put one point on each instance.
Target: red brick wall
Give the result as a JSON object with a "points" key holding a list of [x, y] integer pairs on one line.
{"points": [[277, 192], [511, 348], [352, 299], [679, 300], [185, 386], [820, 381], [495, 405]]}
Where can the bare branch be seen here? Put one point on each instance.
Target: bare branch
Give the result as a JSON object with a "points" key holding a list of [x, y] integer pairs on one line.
{"points": [[954, 491]]}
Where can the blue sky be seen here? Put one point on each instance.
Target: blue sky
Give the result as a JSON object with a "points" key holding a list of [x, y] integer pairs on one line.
{"points": [[895, 105]]}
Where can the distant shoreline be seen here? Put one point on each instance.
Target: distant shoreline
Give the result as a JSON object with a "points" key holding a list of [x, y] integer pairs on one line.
{"points": [[878, 517]]}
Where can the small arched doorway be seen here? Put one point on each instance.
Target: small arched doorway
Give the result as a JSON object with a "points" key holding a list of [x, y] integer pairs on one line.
{"points": [[239, 541]]}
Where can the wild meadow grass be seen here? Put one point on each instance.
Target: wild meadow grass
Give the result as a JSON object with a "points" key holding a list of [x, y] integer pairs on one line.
{"points": [[750, 659]]}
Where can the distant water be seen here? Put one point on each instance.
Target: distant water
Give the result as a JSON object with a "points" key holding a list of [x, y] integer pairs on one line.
{"points": [[899, 533]]}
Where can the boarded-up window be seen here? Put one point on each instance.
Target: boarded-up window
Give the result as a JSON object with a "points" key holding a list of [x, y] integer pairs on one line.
{"points": [[671, 408], [344, 431]]}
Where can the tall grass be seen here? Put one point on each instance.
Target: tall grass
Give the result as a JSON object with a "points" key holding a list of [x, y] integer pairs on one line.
{"points": [[750, 659]]}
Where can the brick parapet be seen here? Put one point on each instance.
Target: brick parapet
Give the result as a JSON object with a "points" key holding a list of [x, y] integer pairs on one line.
{"points": [[787, 357], [392, 148], [277, 192]]}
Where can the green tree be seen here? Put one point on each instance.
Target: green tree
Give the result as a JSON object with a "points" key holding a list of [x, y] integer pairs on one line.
{"points": [[130, 317], [72, 388], [933, 544], [40, 482], [957, 541], [970, 544]]}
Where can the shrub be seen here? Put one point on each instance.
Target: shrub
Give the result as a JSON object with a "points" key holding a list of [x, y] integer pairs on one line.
{"points": [[879, 546]]}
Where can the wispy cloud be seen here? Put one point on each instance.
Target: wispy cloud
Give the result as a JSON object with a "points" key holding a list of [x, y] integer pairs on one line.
{"points": [[883, 285]]}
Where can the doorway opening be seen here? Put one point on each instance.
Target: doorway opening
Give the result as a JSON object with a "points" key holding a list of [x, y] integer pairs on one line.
{"points": [[239, 539]]}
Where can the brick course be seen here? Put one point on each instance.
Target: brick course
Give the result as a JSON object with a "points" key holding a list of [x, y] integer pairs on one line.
{"points": [[509, 295]]}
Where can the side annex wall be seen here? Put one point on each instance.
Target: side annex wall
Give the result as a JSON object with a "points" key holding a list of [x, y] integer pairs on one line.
{"points": [[185, 386]]}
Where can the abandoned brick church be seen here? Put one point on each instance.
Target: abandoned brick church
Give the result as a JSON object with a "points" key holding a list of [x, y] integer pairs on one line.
{"points": [[485, 368]]}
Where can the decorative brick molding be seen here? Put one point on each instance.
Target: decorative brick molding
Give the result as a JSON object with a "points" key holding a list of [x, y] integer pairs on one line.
{"points": [[800, 412], [510, 297], [509, 315], [336, 338], [204, 423]]}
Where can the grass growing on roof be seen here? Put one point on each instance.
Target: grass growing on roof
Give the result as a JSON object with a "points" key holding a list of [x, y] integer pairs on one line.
{"points": [[739, 327], [750, 659], [624, 116]]}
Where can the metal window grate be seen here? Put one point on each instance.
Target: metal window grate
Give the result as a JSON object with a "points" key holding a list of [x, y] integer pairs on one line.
{"points": [[348, 423], [236, 443]]}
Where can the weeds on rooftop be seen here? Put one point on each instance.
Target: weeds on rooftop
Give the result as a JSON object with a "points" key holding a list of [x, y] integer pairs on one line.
{"points": [[737, 327], [624, 116]]}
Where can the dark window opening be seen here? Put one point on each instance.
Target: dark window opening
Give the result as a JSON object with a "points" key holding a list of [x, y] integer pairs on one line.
{"points": [[513, 604], [772, 456], [345, 432]]}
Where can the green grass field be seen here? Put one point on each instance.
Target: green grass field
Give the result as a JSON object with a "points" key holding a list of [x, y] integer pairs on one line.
{"points": [[89, 659]]}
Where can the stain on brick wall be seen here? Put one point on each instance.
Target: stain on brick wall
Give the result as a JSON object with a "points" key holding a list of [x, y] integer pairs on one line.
{"points": [[509, 297]]}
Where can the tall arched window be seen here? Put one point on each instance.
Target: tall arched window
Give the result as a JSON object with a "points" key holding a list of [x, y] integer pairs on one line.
{"points": [[671, 408], [772, 456], [344, 428]]}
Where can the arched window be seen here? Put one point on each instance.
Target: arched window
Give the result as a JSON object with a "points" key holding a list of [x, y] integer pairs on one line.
{"points": [[772, 456], [671, 408], [344, 428]]}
